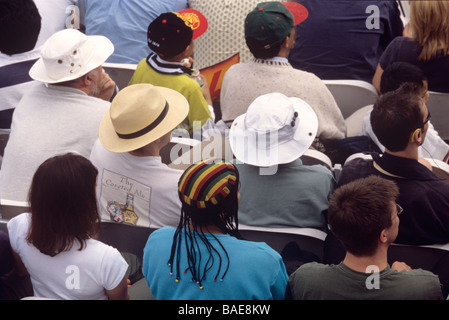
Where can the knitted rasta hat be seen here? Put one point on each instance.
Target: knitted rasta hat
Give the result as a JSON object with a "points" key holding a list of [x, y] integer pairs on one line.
{"points": [[207, 183]]}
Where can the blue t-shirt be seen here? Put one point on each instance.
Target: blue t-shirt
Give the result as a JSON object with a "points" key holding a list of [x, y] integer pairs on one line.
{"points": [[256, 271], [344, 39]]}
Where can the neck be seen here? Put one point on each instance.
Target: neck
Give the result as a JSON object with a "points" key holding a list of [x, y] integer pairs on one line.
{"points": [[284, 52], [150, 150], [411, 152], [211, 228], [361, 263]]}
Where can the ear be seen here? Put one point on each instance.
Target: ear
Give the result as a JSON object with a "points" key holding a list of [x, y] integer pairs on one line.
{"points": [[285, 43], [186, 51], [383, 238], [87, 80], [416, 136]]}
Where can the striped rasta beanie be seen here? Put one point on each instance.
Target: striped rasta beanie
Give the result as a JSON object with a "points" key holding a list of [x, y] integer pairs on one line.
{"points": [[207, 183]]}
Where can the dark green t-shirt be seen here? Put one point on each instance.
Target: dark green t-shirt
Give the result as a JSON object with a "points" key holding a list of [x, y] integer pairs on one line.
{"points": [[316, 281]]}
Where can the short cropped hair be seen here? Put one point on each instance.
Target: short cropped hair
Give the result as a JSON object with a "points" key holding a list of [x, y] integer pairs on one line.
{"points": [[259, 51], [359, 211], [396, 115], [20, 24], [399, 73], [63, 204]]}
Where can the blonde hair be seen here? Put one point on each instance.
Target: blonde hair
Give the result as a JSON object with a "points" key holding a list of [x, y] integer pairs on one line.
{"points": [[429, 21]]}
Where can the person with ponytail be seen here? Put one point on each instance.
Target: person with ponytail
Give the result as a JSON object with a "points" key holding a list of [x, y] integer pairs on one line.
{"points": [[205, 257]]}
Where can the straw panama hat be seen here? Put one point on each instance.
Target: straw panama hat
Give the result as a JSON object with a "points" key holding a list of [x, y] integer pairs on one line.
{"points": [[69, 54], [276, 129], [139, 115]]}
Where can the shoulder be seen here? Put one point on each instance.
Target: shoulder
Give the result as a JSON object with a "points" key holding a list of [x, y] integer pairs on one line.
{"points": [[162, 233], [398, 41], [423, 281], [314, 267], [400, 45], [105, 254], [19, 223], [18, 229], [257, 252], [319, 169], [310, 271]]}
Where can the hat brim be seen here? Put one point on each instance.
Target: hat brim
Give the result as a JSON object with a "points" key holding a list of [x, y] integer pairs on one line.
{"points": [[99, 47], [248, 149], [177, 112], [298, 11]]}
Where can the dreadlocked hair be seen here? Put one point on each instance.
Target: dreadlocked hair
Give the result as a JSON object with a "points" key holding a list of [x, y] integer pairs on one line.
{"points": [[208, 192]]}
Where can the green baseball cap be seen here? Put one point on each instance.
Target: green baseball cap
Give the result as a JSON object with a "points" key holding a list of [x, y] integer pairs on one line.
{"points": [[270, 22]]}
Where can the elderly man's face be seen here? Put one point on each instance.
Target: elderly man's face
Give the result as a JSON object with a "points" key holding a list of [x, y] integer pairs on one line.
{"points": [[96, 76]]}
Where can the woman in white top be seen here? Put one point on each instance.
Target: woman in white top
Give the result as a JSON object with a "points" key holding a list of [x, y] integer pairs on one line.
{"points": [[55, 242]]}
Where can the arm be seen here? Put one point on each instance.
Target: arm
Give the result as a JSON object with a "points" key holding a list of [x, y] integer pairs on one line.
{"points": [[20, 268], [120, 292], [206, 91], [377, 77]]}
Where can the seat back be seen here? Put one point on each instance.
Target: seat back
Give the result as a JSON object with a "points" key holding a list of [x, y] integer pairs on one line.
{"points": [[308, 239], [311, 157], [354, 123], [125, 238], [4, 137], [438, 105], [425, 257], [121, 73], [351, 95], [440, 168], [3, 223], [9, 208]]}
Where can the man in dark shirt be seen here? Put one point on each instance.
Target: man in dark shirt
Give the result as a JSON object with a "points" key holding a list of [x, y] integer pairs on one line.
{"points": [[345, 39], [400, 121]]}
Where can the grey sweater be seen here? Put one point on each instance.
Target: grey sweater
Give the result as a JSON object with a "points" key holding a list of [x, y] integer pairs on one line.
{"points": [[244, 82]]}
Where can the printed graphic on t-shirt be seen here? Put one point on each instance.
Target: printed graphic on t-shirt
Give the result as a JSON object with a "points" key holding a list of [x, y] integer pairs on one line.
{"points": [[124, 200]]}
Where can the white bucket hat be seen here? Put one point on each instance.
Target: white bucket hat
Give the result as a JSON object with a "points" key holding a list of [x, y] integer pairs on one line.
{"points": [[276, 129], [69, 54], [140, 114]]}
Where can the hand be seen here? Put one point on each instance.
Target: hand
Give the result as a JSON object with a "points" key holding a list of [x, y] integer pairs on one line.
{"points": [[205, 90], [187, 62], [400, 266], [105, 88]]}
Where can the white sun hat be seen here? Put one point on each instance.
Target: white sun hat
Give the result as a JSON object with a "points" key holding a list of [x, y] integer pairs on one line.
{"points": [[276, 129], [69, 54]]}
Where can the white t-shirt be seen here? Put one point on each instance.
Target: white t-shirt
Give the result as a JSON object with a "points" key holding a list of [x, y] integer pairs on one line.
{"points": [[134, 190], [71, 275]]}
